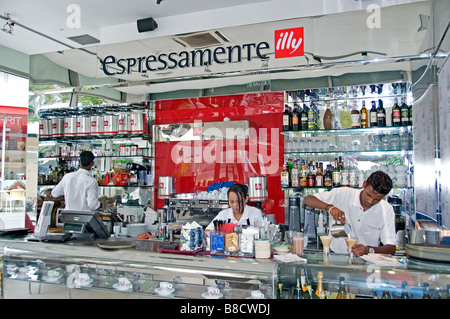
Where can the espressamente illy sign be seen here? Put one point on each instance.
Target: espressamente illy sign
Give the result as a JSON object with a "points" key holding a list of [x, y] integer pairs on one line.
{"points": [[288, 43]]}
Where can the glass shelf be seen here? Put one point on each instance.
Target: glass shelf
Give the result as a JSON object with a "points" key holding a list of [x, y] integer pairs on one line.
{"points": [[350, 131]]}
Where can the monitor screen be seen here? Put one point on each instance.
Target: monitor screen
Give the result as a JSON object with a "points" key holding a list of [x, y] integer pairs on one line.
{"points": [[84, 223]]}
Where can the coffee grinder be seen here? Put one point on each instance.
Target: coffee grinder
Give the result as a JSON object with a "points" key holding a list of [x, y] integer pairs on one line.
{"points": [[294, 213], [166, 188], [257, 191], [400, 224]]}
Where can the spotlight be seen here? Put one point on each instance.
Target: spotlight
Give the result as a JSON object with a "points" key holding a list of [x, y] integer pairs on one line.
{"points": [[9, 25], [159, 1], [148, 24]]}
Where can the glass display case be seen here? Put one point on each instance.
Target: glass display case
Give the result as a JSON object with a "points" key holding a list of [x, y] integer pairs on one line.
{"points": [[141, 270]]}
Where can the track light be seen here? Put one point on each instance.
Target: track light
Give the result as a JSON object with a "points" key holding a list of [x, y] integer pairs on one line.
{"points": [[9, 25]]}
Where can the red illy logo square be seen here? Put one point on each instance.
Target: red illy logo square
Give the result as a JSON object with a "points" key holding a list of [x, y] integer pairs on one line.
{"points": [[289, 43]]}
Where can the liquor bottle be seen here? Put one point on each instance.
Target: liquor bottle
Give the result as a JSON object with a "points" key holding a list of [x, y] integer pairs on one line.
{"points": [[363, 89], [311, 176], [372, 88], [328, 177], [328, 118], [410, 121], [287, 119], [285, 177], [342, 294], [297, 294], [404, 113], [404, 294], [305, 291], [353, 176], [345, 175], [311, 117], [426, 291], [303, 180], [346, 119], [381, 114], [364, 116], [304, 118], [319, 177], [396, 115], [319, 291], [336, 174], [386, 294], [295, 118], [356, 117], [373, 115], [294, 175]]}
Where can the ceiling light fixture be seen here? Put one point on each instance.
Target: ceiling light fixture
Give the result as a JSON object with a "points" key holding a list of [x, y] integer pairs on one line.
{"points": [[9, 25]]}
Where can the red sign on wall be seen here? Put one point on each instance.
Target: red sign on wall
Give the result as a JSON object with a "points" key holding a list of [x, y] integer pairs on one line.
{"points": [[289, 43]]}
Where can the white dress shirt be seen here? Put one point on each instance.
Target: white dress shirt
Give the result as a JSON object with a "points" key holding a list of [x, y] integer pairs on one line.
{"points": [[80, 191], [375, 225], [248, 217]]}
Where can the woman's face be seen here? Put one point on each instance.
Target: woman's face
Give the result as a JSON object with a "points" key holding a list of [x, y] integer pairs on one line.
{"points": [[233, 201]]}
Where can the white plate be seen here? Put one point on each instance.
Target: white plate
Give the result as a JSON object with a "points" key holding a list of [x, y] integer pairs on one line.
{"points": [[164, 292], [52, 279], [208, 296], [117, 286]]}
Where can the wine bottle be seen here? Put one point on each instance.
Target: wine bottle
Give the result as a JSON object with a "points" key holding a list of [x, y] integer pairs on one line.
{"points": [[356, 116], [311, 117], [396, 115], [364, 116], [404, 294], [404, 113], [381, 114], [328, 118], [336, 174], [342, 294], [305, 291], [304, 118], [287, 119], [295, 118], [346, 119], [320, 293], [373, 115]]}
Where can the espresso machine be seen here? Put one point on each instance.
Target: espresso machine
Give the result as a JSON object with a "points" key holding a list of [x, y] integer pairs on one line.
{"points": [[400, 224], [166, 188], [257, 191]]}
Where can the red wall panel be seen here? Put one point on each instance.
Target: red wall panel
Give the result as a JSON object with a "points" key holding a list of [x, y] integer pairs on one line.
{"points": [[195, 164]]}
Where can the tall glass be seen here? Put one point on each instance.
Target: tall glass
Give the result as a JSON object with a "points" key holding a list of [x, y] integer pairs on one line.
{"points": [[350, 243], [326, 241], [298, 242]]}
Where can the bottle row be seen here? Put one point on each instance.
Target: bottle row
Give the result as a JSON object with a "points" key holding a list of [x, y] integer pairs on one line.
{"points": [[299, 173], [304, 118], [307, 288]]}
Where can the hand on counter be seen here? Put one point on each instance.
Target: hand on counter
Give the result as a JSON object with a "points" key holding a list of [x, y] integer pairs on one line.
{"points": [[359, 250]]}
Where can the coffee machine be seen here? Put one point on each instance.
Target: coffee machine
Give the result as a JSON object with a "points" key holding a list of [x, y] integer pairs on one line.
{"points": [[295, 223], [166, 188], [400, 224]]}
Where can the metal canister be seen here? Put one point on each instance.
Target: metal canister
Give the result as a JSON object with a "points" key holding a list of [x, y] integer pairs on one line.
{"points": [[83, 126], [123, 123], [45, 128], [138, 123], [70, 124], [110, 124], [166, 186], [257, 189], [96, 125], [57, 126]]}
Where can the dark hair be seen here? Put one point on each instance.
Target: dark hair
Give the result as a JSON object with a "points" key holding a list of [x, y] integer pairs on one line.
{"points": [[86, 158], [241, 191], [380, 182]]}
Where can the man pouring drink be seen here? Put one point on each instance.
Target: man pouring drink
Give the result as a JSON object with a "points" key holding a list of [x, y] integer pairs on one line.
{"points": [[372, 219]]}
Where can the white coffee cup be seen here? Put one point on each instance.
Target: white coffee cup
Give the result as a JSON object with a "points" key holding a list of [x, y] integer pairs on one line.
{"points": [[164, 285], [212, 291], [256, 294], [53, 273], [123, 281], [83, 277]]}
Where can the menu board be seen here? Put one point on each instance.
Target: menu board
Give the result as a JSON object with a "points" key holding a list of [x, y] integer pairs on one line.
{"points": [[424, 131], [444, 139]]}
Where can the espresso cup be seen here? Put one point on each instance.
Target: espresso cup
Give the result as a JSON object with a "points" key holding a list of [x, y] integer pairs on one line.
{"points": [[83, 277], [123, 281], [212, 291], [164, 285], [256, 294], [53, 273]]}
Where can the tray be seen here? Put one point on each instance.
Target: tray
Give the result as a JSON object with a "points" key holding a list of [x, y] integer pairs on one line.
{"points": [[117, 244], [429, 252], [14, 231]]}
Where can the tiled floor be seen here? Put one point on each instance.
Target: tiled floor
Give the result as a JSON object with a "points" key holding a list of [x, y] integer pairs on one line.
{"points": [[15, 289]]}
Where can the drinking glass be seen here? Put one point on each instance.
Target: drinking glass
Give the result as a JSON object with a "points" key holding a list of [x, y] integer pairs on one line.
{"points": [[350, 243], [326, 241], [298, 242]]}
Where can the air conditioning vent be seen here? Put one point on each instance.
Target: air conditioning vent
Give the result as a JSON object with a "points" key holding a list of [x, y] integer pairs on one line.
{"points": [[201, 39], [84, 39]]}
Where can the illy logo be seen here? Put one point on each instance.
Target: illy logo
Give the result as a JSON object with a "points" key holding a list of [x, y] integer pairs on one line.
{"points": [[289, 43]]}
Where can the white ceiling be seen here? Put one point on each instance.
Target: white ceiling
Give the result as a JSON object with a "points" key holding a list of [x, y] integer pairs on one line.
{"points": [[113, 21]]}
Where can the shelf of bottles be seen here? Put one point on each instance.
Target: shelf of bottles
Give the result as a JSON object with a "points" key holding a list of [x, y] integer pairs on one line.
{"points": [[332, 139]]}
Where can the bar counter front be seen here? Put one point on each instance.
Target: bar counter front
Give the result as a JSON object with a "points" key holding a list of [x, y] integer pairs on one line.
{"points": [[138, 267]]}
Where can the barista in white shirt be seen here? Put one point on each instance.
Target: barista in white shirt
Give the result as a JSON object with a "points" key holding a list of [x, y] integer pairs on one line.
{"points": [[372, 219], [239, 212], [80, 189]]}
